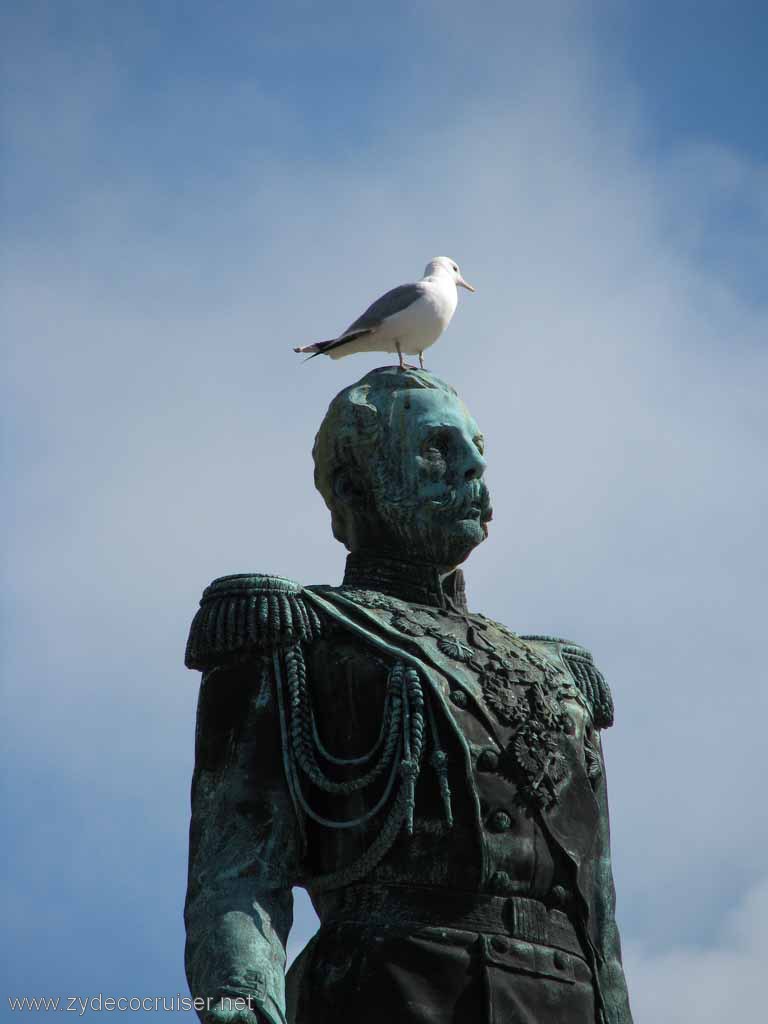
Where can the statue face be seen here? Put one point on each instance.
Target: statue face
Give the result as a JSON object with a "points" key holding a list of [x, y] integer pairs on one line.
{"points": [[428, 500]]}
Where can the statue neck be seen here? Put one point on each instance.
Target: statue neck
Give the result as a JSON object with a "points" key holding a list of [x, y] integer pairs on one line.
{"points": [[408, 581]]}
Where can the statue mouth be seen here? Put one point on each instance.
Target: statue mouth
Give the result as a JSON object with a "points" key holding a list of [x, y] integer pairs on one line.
{"points": [[485, 516], [480, 508], [474, 506], [479, 513], [484, 512], [476, 511]]}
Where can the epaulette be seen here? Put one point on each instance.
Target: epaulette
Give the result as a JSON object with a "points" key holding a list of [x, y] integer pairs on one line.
{"points": [[586, 675], [241, 614]]}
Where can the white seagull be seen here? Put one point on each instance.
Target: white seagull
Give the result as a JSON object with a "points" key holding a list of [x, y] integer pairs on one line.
{"points": [[407, 319]]}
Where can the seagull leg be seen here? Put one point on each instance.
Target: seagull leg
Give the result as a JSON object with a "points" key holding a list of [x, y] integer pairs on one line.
{"points": [[421, 360], [404, 365]]}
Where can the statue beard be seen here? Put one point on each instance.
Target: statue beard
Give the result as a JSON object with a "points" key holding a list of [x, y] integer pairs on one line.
{"points": [[442, 528]]}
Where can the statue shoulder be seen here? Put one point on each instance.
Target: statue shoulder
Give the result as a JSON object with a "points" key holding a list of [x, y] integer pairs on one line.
{"points": [[581, 666], [245, 614]]}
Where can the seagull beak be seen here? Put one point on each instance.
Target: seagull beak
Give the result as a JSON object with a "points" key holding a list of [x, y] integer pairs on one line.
{"points": [[463, 284]]}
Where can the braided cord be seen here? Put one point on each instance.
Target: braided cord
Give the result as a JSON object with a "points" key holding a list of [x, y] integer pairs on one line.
{"points": [[413, 741], [364, 864], [439, 762], [303, 733], [348, 822], [346, 762], [391, 702], [401, 744]]}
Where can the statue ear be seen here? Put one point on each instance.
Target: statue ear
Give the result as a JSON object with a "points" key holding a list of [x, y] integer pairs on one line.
{"points": [[346, 488]]}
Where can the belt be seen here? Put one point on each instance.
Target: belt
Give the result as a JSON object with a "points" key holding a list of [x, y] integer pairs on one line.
{"points": [[415, 907]]}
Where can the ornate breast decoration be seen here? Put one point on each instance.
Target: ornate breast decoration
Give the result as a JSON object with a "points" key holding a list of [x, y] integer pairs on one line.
{"points": [[507, 706], [521, 689], [524, 692], [454, 648], [536, 753], [372, 599]]}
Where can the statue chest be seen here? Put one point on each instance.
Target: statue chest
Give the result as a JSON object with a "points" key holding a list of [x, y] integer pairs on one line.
{"points": [[522, 717]]}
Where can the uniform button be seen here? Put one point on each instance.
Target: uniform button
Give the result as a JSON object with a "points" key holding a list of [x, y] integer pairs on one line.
{"points": [[500, 882], [488, 760], [459, 698], [500, 821], [499, 943], [560, 960], [560, 897]]}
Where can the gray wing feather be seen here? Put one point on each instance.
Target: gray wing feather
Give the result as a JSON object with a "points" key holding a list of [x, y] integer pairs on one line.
{"points": [[394, 301]]}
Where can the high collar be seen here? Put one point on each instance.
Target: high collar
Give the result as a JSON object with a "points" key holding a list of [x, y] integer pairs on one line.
{"points": [[408, 581]]}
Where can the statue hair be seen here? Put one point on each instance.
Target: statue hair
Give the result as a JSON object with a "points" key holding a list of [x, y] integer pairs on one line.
{"points": [[355, 425]]}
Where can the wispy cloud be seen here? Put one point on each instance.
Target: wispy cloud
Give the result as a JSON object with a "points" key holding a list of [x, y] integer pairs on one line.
{"points": [[709, 986], [162, 431]]}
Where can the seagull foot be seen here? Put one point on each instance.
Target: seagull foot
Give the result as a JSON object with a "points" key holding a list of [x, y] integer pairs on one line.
{"points": [[402, 365]]}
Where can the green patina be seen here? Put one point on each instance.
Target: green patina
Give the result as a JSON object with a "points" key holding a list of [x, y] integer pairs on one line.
{"points": [[435, 781]]}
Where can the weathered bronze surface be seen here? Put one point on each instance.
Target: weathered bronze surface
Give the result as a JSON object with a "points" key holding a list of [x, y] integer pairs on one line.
{"points": [[435, 781]]}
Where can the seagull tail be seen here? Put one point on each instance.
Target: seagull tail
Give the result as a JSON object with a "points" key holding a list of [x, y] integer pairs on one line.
{"points": [[315, 349], [319, 348]]}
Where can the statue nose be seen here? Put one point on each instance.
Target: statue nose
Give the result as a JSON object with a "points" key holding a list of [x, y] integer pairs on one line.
{"points": [[475, 466]]}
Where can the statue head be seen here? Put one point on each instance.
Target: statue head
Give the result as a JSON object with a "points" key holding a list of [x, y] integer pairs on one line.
{"points": [[399, 462]]}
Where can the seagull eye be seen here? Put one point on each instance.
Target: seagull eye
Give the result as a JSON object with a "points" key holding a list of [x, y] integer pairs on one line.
{"points": [[455, 268]]}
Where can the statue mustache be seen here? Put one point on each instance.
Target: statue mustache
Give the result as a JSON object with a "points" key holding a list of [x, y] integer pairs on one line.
{"points": [[460, 501], [455, 502]]}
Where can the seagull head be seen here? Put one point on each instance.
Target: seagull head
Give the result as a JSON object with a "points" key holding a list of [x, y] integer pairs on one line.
{"points": [[445, 265]]}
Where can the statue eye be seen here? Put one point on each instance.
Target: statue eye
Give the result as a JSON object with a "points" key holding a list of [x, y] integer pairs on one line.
{"points": [[435, 444]]}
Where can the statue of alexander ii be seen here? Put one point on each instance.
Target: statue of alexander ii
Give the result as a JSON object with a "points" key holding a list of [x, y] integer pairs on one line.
{"points": [[434, 780]]}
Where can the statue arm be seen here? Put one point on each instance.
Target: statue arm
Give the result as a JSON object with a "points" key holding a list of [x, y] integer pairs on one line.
{"points": [[244, 849], [596, 696], [613, 986]]}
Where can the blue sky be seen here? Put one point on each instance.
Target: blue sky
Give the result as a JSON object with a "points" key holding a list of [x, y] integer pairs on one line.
{"points": [[191, 189]]}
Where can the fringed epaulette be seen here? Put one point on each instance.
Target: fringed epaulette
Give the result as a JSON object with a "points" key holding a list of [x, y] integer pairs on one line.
{"points": [[586, 675], [241, 614]]}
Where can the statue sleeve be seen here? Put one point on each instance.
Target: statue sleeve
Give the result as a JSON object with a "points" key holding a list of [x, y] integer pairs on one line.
{"points": [[245, 844], [613, 986], [599, 891]]}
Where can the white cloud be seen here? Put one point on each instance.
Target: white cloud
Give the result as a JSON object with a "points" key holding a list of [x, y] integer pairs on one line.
{"points": [[165, 428], [709, 986]]}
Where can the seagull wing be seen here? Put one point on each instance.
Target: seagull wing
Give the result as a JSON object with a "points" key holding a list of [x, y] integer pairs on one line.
{"points": [[390, 303], [394, 301]]}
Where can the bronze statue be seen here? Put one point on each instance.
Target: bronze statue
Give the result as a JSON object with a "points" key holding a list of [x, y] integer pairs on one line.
{"points": [[434, 780]]}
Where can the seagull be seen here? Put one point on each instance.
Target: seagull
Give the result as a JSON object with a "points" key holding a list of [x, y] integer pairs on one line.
{"points": [[407, 319]]}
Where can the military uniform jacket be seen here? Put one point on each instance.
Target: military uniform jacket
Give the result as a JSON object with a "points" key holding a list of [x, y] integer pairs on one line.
{"points": [[435, 782]]}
